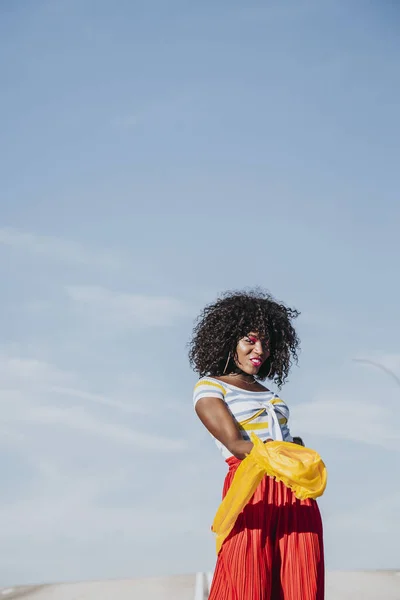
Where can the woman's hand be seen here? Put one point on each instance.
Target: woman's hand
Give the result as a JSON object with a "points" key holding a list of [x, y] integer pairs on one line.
{"points": [[298, 440]]}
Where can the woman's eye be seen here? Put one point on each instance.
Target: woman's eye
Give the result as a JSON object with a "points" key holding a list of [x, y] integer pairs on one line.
{"points": [[251, 340]]}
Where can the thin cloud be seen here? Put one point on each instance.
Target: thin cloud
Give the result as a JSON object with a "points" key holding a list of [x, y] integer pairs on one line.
{"points": [[16, 366], [57, 249], [371, 517], [387, 363], [125, 122], [98, 399], [346, 418], [65, 513], [78, 419], [341, 412], [82, 473], [18, 372], [127, 310], [27, 383]]}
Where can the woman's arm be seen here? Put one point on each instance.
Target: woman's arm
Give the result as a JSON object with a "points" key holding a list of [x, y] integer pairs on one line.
{"points": [[217, 419]]}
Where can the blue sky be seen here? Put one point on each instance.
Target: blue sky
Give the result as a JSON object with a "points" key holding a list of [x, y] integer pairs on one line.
{"points": [[153, 155]]}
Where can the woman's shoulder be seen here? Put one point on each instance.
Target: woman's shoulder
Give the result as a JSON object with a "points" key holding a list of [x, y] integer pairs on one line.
{"points": [[208, 386], [211, 382], [276, 399], [280, 405]]}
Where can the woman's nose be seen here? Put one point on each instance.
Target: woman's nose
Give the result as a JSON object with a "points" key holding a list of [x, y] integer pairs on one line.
{"points": [[259, 347]]}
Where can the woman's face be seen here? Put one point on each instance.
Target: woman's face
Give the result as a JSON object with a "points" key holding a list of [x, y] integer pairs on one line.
{"points": [[252, 351]]}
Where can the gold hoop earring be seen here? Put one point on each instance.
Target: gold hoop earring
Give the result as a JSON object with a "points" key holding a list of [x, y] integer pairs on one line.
{"points": [[227, 363]]}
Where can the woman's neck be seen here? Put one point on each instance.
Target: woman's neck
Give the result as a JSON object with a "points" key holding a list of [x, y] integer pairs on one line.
{"points": [[243, 381], [244, 376], [241, 376]]}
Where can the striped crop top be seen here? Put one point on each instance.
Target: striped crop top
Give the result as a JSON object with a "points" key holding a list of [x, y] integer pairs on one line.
{"points": [[262, 412]]}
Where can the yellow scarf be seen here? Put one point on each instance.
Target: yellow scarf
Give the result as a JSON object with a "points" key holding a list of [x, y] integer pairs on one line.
{"points": [[301, 469]]}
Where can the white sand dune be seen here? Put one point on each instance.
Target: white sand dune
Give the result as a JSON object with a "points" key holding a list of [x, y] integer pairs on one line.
{"points": [[341, 585]]}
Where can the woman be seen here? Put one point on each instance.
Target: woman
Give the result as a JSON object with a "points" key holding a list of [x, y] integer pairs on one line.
{"points": [[275, 550]]}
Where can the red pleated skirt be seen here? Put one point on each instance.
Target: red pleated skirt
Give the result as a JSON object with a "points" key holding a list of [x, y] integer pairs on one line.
{"points": [[275, 551]]}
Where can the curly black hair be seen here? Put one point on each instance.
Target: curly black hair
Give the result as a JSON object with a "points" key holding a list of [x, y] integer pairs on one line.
{"points": [[234, 315]]}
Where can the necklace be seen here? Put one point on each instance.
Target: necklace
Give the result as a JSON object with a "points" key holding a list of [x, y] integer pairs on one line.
{"points": [[251, 382]]}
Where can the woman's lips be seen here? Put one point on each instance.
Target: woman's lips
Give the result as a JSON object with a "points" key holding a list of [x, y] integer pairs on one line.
{"points": [[257, 362]]}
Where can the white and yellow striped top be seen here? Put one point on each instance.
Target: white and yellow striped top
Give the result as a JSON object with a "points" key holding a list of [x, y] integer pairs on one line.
{"points": [[262, 412]]}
